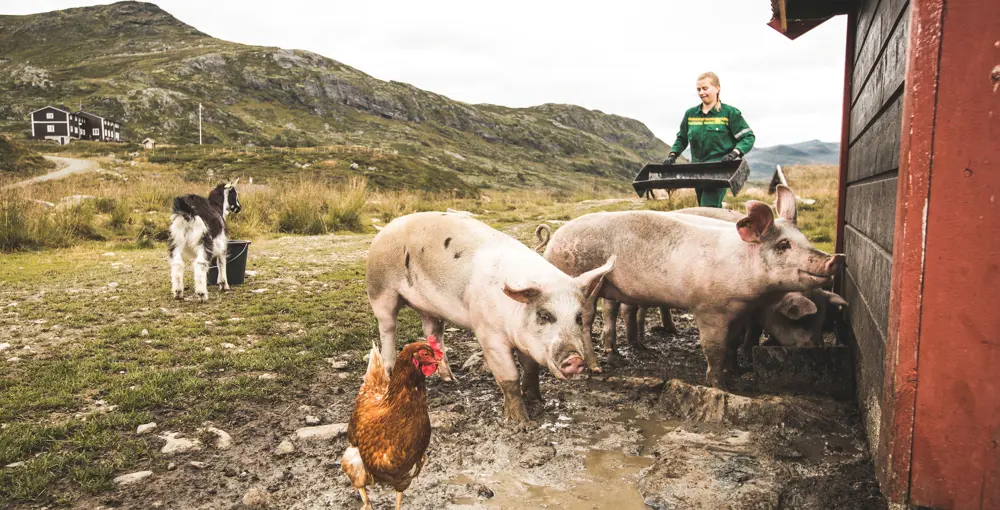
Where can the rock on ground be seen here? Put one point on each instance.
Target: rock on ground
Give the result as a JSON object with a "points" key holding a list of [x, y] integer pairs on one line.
{"points": [[284, 448], [177, 444], [133, 477], [257, 498], [223, 441], [322, 432], [146, 428]]}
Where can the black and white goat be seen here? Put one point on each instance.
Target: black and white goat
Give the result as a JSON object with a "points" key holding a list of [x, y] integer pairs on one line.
{"points": [[198, 233]]}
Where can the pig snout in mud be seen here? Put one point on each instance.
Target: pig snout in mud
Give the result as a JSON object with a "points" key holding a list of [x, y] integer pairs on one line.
{"points": [[572, 365]]}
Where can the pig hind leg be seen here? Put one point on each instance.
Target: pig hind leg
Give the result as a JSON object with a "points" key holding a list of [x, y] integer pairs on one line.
{"points": [[610, 310], [386, 308], [668, 322], [433, 326], [633, 327]]}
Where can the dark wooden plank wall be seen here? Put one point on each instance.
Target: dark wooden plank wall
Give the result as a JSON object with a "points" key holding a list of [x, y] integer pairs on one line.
{"points": [[872, 173]]}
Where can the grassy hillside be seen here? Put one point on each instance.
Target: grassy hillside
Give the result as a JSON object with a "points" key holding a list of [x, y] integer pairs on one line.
{"points": [[152, 71], [17, 159]]}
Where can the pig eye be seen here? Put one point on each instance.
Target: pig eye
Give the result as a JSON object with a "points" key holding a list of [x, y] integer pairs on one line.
{"points": [[783, 245], [544, 317], [579, 318]]}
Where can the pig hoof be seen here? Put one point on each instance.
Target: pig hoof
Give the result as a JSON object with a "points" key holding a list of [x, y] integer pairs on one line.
{"points": [[179, 295]]}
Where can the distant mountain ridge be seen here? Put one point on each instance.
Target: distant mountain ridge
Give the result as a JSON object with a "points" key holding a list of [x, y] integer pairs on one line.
{"points": [[134, 62], [814, 152]]}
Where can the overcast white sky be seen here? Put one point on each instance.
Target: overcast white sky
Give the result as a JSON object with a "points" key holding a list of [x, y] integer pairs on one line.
{"points": [[638, 59]]}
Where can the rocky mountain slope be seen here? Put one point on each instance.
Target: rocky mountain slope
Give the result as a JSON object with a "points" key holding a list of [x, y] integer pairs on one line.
{"points": [[151, 71]]}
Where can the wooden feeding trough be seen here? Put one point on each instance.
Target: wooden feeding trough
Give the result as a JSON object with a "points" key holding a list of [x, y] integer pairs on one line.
{"points": [[728, 174]]}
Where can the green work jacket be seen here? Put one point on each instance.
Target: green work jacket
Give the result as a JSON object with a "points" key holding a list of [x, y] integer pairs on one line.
{"points": [[713, 134]]}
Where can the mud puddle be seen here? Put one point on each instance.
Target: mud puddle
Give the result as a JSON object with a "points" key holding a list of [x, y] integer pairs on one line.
{"points": [[608, 479], [608, 482]]}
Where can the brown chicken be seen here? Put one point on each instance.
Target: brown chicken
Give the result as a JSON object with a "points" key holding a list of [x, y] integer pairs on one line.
{"points": [[390, 429]]}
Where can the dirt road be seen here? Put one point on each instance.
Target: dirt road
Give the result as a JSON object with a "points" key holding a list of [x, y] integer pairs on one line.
{"points": [[68, 167]]}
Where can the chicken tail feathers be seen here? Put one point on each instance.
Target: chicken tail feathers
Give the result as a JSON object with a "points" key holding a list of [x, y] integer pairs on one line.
{"points": [[354, 468], [375, 376]]}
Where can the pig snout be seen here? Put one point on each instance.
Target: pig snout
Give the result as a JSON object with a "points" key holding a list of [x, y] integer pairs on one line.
{"points": [[836, 261], [572, 365]]}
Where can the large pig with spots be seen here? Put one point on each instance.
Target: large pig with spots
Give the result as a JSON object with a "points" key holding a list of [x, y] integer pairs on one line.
{"points": [[450, 267], [717, 270]]}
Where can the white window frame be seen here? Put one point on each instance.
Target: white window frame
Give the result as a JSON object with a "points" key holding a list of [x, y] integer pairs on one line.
{"points": [[51, 128], [97, 132], [50, 116]]}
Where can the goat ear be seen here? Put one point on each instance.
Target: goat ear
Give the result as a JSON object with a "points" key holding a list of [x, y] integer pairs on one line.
{"points": [[784, 203]]}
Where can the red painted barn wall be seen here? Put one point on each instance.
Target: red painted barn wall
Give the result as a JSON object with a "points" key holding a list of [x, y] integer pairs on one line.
{"points": [[956, 428]]}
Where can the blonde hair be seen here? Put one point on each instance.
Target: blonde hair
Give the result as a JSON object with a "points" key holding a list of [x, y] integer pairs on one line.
{"points": [[714, 80]]}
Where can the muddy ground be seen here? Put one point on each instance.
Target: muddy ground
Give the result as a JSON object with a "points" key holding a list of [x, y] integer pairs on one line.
{"points": [[640, 435]]}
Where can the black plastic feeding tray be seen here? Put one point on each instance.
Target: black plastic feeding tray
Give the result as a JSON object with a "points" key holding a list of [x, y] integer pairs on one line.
{"points": [[729, 174]]}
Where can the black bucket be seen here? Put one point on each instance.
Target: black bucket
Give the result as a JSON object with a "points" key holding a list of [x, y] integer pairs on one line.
{"points": [[236, 264]]}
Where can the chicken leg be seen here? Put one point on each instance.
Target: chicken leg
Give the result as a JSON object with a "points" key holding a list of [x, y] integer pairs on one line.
{"points": [[399, 500], [364, 499]]}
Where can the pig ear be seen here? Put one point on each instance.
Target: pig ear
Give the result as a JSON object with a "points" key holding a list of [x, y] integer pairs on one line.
{"points": [[796, 305], [785, 203], [590, 282], [525, 294], [835, 300], [756, 223]]}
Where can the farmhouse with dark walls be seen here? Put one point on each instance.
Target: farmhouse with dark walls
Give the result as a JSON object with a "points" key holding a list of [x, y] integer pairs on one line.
{"points": [[99, 128], [62, 125], [58, 124]]}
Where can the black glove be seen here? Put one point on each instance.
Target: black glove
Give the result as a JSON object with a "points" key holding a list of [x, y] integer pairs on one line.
{"points": [[670, 159], [734, 154]]}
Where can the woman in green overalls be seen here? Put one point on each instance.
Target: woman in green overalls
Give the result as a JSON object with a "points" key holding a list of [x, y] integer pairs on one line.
{"points": [[716, 132]]}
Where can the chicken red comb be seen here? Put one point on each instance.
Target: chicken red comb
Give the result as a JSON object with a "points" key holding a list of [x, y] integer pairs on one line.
{"points": [[433, 341]]}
